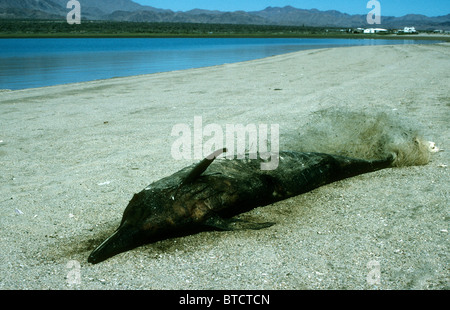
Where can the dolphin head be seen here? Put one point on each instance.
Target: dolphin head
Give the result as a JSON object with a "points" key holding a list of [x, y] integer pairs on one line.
{"points": [[143, 219], [155, 212]]}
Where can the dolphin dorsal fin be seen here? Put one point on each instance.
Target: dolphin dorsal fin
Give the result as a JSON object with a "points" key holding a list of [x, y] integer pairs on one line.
{"points": [[202, 166]]}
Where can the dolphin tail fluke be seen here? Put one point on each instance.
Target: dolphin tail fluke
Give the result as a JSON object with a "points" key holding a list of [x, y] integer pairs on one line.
{"points": [[363, 134]]}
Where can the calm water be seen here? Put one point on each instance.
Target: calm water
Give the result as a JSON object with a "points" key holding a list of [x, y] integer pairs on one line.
{"points": [[28, 63]]}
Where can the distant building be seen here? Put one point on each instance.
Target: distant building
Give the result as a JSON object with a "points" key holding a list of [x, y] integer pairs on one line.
{"points": [[410, 30], [375, 30]]}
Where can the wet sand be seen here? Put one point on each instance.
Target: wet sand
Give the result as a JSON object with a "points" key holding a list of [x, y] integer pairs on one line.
{"points": [[71, 157]]}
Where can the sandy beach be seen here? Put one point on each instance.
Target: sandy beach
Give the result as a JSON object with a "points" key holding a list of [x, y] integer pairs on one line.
{"points": [[72, 156]]}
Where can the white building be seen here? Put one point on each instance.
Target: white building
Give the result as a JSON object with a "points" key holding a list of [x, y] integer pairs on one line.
{"points": [[409, 30], [375, 30]]}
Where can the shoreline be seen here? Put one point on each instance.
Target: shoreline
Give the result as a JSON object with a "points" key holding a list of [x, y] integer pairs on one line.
{"points": [[444, 38], [73, 155]]}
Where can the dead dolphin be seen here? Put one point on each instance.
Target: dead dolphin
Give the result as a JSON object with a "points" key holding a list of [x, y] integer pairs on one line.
{"points": [[195, 199]]}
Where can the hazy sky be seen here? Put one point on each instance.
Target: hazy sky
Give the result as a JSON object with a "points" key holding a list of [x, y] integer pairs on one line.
{"points": [[388, 7]]}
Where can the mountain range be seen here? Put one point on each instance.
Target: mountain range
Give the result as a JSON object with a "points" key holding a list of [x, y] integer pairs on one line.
{"points": [[128, 10]]}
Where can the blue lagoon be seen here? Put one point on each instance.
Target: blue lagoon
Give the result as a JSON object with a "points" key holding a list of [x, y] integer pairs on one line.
{"points": [[29, 63]]}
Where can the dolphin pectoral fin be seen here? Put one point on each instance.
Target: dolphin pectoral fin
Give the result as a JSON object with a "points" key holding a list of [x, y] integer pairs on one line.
{"points": [[243, 225], [234, 224]]}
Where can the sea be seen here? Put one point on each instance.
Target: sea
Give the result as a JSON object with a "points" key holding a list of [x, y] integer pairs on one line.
{"points": [[31, 63]]}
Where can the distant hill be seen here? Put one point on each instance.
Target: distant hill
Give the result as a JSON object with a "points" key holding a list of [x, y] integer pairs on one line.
{"points": [[298, 17], [127, 10], [30, 9]]}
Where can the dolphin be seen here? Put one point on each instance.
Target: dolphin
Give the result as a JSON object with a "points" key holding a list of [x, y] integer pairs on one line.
{"points": [[208, 194]]}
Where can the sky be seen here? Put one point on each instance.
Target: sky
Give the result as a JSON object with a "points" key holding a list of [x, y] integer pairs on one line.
{"points": [[388, 7]]}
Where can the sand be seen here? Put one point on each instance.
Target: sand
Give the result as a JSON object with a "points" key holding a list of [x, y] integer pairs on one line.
{"points": [[71, 157]]}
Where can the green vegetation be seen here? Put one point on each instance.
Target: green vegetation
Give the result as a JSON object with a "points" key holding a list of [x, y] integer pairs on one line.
{"points": [[95, 29], [33, 28]]}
